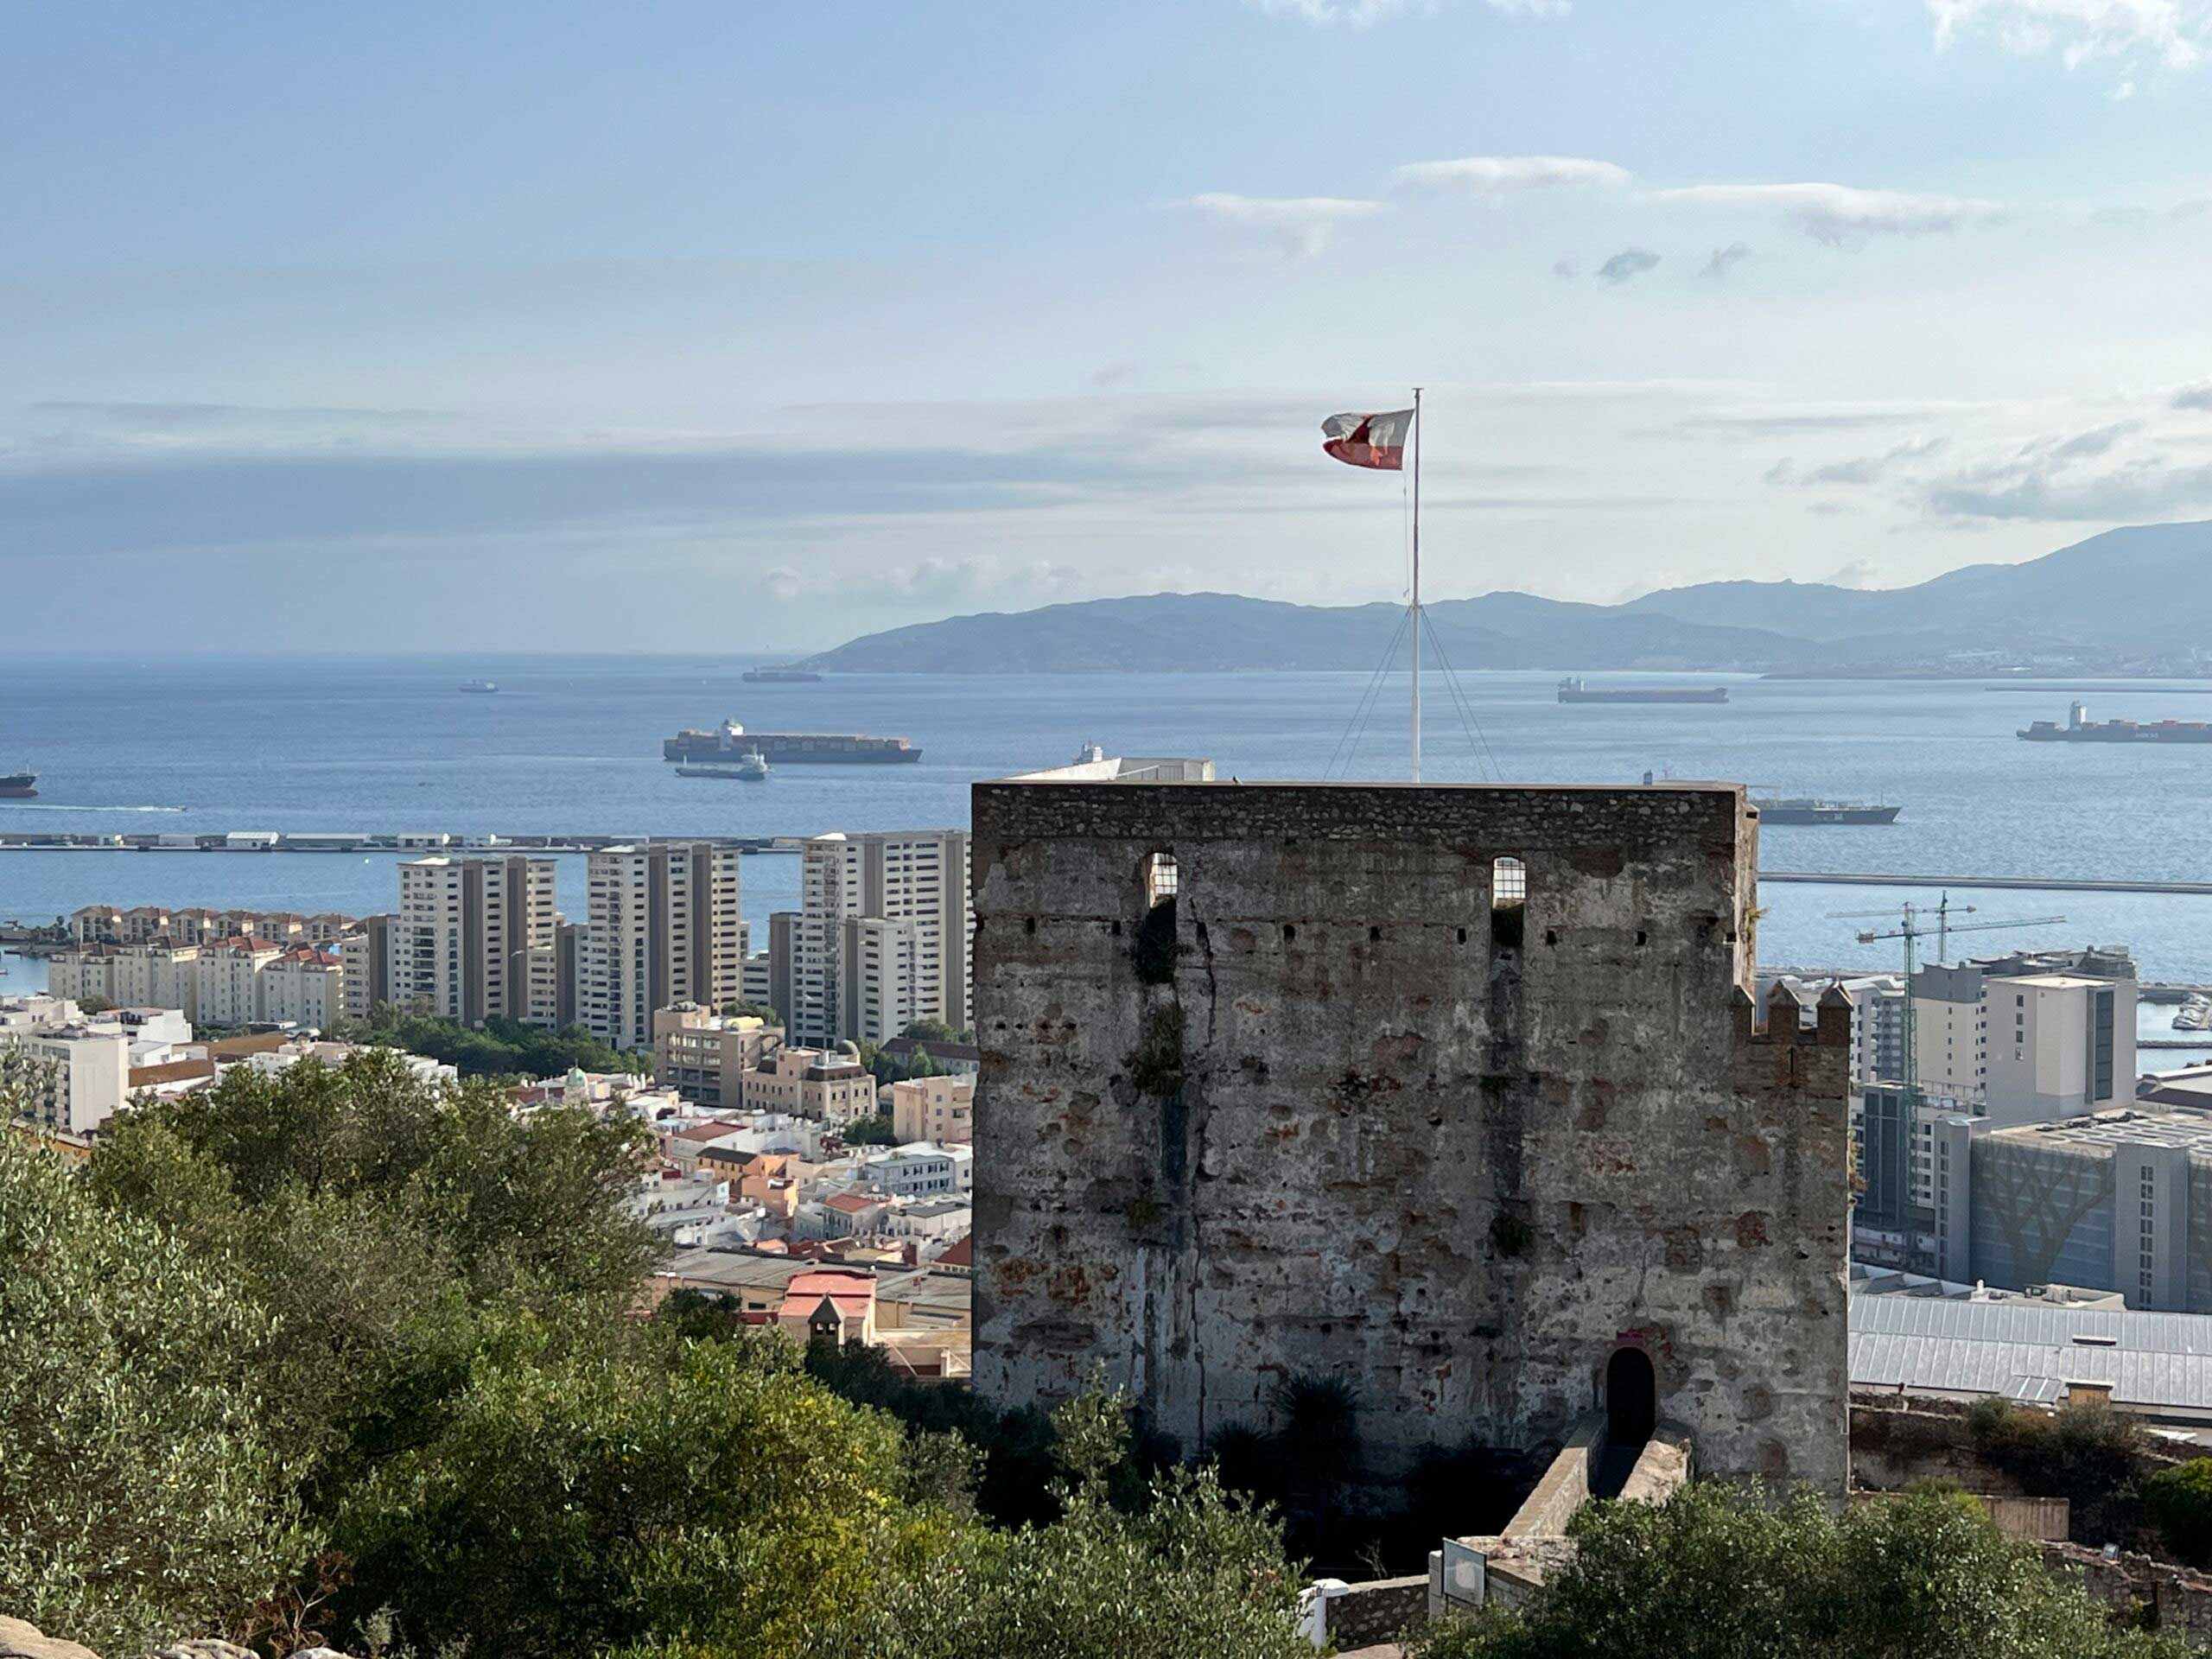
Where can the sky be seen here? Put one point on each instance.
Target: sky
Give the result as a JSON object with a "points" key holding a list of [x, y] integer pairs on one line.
{"points": [[711, 326]]}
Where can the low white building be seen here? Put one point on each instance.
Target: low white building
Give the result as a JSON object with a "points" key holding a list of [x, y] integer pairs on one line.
{"points": [[270, 1062], [80, 1074], [920, 1169], [943, 1218]]}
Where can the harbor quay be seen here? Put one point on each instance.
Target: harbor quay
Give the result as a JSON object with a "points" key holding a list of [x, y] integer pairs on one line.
{"points": [[275, 841]]}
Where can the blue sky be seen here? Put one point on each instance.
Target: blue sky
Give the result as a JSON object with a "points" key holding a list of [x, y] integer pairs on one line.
{"points": [[692, 326]]}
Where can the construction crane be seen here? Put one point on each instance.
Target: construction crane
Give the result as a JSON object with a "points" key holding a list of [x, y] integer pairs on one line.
{"points": [[1944, 910], [1912, 932], [1898, 1178]]}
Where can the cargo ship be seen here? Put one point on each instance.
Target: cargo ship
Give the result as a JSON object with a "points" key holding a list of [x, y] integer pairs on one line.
{"points": [[1804, 809], [18, 785], [730, 742], [1572, 690], [2080, 728], [779, 677]]}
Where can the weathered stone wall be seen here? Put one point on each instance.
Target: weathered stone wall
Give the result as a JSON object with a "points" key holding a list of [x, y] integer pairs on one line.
{"points": [[1331, 1112], [1360, 1615], [2157, 1594]]}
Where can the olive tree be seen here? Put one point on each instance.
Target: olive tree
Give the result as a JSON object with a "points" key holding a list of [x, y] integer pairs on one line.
{"points": [[142, 1494]]}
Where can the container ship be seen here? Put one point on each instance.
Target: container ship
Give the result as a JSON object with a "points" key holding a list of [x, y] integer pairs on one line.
{"points": [[1573, 689], [779, 677], [731, 742], [18, 785], [2080, 728]]}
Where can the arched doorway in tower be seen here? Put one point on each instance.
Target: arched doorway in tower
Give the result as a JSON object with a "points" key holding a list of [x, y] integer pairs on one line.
{"points": [[1631, 1398]]}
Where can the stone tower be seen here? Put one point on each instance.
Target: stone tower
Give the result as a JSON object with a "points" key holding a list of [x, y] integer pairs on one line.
{"points": [[1453, 1092]]}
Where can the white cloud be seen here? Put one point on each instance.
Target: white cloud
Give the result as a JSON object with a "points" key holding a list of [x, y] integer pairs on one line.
{"points": [[1499, 175], [1859, 469], [783, 583], [1359, 14], [1837, 213], [1300, 225], [2170, 33]]}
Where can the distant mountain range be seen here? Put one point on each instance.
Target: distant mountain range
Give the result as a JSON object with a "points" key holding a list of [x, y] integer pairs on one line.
{"points": [[2123, 601]]}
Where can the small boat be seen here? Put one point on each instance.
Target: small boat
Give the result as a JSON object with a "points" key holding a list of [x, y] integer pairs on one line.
{"points": [[752, 768], [482, 687]]}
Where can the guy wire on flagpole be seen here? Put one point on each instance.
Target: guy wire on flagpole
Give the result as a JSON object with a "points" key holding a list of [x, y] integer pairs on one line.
{"points": [[1415, 630]]}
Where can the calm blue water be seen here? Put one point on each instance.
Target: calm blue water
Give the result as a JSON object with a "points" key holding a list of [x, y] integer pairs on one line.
{"points": [[574, 743]]}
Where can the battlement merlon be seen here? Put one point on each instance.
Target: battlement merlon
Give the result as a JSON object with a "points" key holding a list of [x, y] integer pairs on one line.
{"points": [[1784, 1022], [1589, 854]]}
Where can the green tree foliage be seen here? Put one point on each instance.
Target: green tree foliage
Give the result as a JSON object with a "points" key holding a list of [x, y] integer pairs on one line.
{"points": [[869, 1132], [498, 1048], [2088, 1454], [572, 1500], [141, 1492], [930, 1031], [515, 1201], [1186, 1569], [341, 1337], [378, 1220], [2178, 1501], [887, 1067], [1718, 1574], [760, 1011]]}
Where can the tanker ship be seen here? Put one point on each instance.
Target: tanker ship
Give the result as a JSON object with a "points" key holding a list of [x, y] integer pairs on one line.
{"points": [[731, 742], [18, 785], [1574, 691]]}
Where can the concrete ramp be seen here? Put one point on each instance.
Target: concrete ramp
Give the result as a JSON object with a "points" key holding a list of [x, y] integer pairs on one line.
{"points": [[1509, 1568]]}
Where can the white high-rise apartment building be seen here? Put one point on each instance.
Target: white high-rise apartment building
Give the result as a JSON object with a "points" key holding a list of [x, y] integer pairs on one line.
{"points": [[881, 938], [367, 955], [663, 928], [883, 977], [474, 939]]}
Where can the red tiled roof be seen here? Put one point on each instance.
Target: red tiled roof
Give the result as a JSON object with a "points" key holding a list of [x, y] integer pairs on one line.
{"points": [[852, 1204], [962, 1254], [852, 1291]]}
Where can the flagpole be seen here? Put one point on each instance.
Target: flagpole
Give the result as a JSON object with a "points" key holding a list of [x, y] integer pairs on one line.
{"points": [[1416, 607]]}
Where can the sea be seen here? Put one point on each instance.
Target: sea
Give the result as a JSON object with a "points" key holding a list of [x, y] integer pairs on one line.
{"points": [[572, 743]]}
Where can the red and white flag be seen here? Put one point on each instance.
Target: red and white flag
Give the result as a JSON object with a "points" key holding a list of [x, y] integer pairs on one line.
{"points": [[1377, 441]]}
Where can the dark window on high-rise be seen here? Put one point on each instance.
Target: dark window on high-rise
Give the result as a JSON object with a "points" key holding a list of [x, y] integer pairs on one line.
{"points": [[2101, 1044]]}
